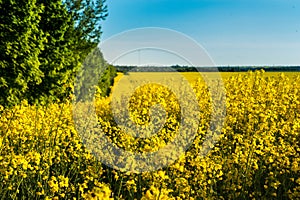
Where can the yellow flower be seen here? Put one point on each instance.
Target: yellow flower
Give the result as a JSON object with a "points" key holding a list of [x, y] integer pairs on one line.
{"points": [[53, 184], [63, 181]]}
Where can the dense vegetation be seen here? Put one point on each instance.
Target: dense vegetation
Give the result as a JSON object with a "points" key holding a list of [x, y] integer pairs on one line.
{"points": [[256, 157], [94, 76], [48, 46], [42, 46]]}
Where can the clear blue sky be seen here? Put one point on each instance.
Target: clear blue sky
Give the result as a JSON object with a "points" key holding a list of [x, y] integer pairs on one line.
{"points": [[233, 32]]}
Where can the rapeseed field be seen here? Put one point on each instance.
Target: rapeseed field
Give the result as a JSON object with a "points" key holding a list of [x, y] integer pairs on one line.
{"points": [[257, 154]]}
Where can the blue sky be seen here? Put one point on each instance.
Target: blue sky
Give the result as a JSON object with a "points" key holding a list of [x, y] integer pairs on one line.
{"points": [[233, 32]]}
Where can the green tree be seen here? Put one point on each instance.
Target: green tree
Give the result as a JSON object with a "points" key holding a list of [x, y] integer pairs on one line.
{"points": [[21, 42], [95, 72], [87, 15], [43, 44], [88, 77], [58, 60], [107, 80], [73, 30]]}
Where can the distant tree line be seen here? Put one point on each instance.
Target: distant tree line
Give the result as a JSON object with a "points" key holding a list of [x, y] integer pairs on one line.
{"points": [[126, 69], [43, 44], [238, 68]]}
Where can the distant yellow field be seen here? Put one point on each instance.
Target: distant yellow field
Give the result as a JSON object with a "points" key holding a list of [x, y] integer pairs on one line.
{"points": [[194, 76]]}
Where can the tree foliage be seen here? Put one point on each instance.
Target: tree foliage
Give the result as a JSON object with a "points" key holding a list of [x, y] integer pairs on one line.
{"points": [[87, 14], [95, 74], [21, 43], [42, 46]]}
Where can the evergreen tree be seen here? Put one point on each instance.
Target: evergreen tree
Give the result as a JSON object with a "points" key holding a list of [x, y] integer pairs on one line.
{"points": [[42, 44], [21, 42], [59, 61]]}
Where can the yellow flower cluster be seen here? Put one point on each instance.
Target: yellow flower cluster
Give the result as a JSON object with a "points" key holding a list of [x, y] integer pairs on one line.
{"points": [[256, 157], [42, 157]]}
